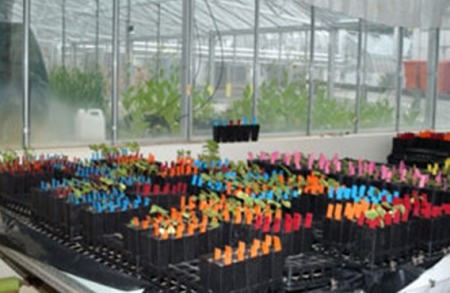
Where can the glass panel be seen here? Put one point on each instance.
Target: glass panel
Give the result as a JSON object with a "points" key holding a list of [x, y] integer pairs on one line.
{"points": [[70, 87], [443, 102], [150, 56], [413, 100], [377, 110], [11, 77], [284, 57], [335, 54], [223, 58]]}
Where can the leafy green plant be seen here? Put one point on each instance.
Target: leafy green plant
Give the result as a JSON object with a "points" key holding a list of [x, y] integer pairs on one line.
{"points": [[377, 114], [210, 151], [82, 89], [154, 107]]}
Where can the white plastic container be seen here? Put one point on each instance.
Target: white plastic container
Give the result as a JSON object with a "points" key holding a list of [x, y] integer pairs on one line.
{"points": [[90, 125]]}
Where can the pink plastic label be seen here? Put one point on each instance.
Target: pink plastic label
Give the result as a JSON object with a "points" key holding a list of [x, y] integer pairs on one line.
{"points": [[263, 156], [327, 167], [287, 159], [351, 169], [297, 158], [250, 156], [274, 157]]}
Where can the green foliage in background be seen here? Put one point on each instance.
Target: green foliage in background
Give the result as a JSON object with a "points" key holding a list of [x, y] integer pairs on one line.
{"points": [[153, 107], [283, 107], [79, 89]]}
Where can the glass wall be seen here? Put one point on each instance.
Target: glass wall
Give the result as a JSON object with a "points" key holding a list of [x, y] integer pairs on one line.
{"points": [[379, 67], [443, 90], [71, 65], [150, 56], [335, 70], [70, 59], [414, 99], [11, 68], [283, 61], [222, 64]]}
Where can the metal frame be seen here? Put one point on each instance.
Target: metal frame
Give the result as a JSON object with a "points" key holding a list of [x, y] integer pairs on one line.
{"points": [[359, 68], [432, 77], [186, 78], [399, 80], [115, 72], [26, 73], [256, 66], [311, 71]]}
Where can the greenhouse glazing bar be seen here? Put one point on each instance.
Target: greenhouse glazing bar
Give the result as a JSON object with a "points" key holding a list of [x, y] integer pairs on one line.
{"points": [[432, 77], [399, 81], [115, 73], [26, 73], [359, 68], [311, 71], [256, 61], [186, 70]]}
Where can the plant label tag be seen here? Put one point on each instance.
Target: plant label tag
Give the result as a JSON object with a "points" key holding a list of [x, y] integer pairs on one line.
{"points": [[263, 156], [297, 158], [287, 159]]}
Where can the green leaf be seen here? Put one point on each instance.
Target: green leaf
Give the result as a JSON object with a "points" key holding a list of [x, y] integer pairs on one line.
{"points": [[286, 204], [214, 225]]}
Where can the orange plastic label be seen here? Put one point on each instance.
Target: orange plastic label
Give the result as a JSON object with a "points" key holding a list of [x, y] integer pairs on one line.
{"points": [[277, 243], [330, 210], [265, 248], [338, 212], [217, 254]]}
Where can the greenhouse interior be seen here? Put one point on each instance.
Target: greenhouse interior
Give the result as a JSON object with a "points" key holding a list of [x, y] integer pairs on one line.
{"points": [[225, 146]]}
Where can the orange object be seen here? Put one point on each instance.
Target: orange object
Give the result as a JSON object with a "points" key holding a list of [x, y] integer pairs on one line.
{"points": [[278, 214], [330, 210], [248, 217], [217, 254], [180, 230], [156, 229], [253, 252], [338, 212], [349, 211], [228, 255], [188, 169], [226, 215], [265, 248], [165, 235], [238, 216], [191, 229], [173, 214], [145, 224], [268, 240], [135, 221], [277, 243], [183, 203]]}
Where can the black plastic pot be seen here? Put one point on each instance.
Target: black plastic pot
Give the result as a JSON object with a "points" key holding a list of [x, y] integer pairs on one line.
{"points": [[160, 252], [255, 132]]}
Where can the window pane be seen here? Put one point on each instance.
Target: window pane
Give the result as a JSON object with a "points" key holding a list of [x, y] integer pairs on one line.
{"points": [[443, 102], [223, 58], [377, 110], [284, 58], [70, 89], [413, 100], [11, 77], [150, 56], [335, 54]]}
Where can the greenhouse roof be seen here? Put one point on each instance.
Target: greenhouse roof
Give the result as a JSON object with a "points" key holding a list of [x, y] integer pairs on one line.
{"points": [[231, 16]]}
